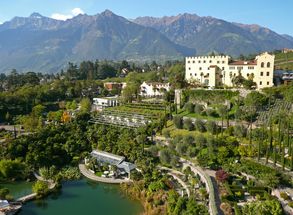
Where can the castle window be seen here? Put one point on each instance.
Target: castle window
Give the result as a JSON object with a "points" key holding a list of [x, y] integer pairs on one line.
{"points": [[193, 61], [200, 68], [218, 62], [189, 68], [188, 61], [268, 73], [268, 83], [223, 61], [261, 73], [232, 67], [211, 61], [268, 64], [223, 68], [199, 61], [262, 65], [204, 61], [260, 83], [190, 74]]}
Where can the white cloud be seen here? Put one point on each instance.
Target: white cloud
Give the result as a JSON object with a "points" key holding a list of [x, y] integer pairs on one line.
{"points": [[74, 12], [77, 11]]}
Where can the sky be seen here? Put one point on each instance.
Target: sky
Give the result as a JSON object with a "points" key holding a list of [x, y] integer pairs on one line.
{"points": [[274, 14]]}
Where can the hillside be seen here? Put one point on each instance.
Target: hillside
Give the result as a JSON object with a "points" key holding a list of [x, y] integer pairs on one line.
{"points": [[42, 44], [207, 34], [284, 61]]}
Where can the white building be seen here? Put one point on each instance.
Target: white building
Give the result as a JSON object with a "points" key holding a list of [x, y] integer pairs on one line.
{"points": [[152, 89], [214, 71], [102, 103]]}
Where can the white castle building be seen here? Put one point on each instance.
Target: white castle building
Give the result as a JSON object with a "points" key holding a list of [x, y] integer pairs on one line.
{"points": [[215, 71]]}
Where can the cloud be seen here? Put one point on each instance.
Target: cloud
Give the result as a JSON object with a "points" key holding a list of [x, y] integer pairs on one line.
{"points": [[74, 12]]}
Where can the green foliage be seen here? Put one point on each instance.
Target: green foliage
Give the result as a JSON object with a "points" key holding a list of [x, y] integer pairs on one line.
{"points": [[4, 192], [165, 156], [189, 107], [211, 127], [12, 169], [210, 96], [41, 188], [200, 125], [187, 124], [85, 105], [284, 196], [177, 76], [268, 207], [178, 122]]}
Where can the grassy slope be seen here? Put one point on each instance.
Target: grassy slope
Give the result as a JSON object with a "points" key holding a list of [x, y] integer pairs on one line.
{"points": [[282, 59]]}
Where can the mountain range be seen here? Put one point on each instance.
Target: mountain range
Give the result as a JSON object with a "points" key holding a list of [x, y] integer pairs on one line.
{"points": [[41, 44]]}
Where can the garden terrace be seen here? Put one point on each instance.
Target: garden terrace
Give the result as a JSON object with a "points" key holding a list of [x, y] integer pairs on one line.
{"points": [[147, 105], [122, 119], [210, 95], [265, 117]]}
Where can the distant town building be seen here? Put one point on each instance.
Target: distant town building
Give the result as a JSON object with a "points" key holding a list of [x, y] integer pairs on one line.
{"points": [[153, 89], [283, 77], [105, 102], [114, 86], [215, 71], [285, 50]]}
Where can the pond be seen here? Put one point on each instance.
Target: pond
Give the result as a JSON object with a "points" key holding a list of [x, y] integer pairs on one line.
{"points": [[84, 197], [18, 189]]}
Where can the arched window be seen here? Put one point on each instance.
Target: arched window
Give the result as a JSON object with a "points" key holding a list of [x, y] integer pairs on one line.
{"points": [[268, 64], [262, 65]]}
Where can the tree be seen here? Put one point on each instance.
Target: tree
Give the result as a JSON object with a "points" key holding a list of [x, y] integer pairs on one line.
{"points": [[165, 156], [211, 127], [221, 176], [178, 122], [200, 125], [188, 124], [41, 188], [189, 107], [85, 105], [177, 76], [222, 110]]}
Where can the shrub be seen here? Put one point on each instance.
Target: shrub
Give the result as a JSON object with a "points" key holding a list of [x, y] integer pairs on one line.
{"points": [[201, 140], [211, 112], [211, 127], [40, 188], [198, 108], [189, 140], [188, 124], [189, 107], [165, 156], [221, 175], [166, 133], [290, 204], [181, 148], [239, 131], [284, 196], [178, 122], [200, 125]]}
